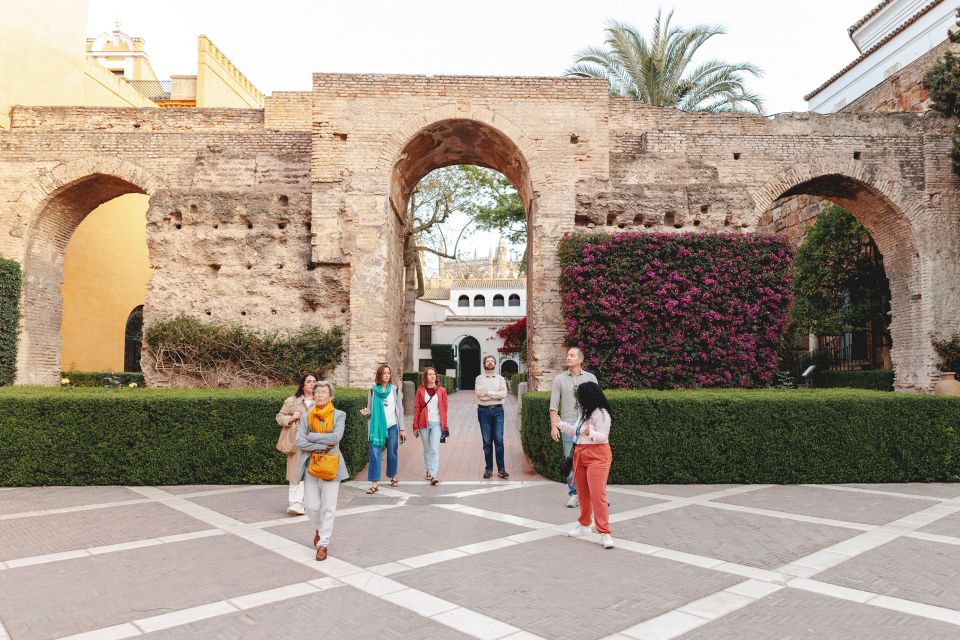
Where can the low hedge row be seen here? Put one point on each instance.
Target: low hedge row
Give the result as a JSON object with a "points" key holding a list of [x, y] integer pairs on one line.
{"points": [[102, 378], [11, 281], [876, 380], [447, 382], [153, 436], [740, 436]]}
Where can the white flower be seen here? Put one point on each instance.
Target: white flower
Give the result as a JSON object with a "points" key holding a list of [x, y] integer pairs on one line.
{"points": [[64, 380]]}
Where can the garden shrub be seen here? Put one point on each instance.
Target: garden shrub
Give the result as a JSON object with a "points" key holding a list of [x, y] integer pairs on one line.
{"points": [[153, 436], [875, 379], [949, 352], [515, 381], [10, 284], [748, 436], [103, 378], [669, 310], [447, 382], [210, 354]]}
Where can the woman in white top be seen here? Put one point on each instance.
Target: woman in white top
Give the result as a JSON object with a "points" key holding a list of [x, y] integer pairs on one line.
{"points": [[591, 460], [385, 411], [293, 409], [430, 421]]}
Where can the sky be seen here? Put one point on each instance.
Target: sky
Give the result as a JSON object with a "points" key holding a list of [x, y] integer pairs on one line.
{"points": [[279, 44]]}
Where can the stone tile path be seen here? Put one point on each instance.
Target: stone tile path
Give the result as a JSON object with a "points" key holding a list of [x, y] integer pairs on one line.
{"points": [[471, 559]]}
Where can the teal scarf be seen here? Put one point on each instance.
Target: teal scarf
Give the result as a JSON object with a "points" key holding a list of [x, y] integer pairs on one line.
{"points": [[378, 417]]}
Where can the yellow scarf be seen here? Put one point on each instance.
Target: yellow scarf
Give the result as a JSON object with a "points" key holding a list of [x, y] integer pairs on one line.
{"points": [[320, 419]]}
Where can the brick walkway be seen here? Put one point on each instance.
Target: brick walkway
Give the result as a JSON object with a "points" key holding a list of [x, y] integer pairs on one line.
{"points": [[474, 559], [461, 456]]}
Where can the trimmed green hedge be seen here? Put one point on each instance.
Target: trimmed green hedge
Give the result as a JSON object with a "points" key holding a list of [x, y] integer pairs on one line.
{"points": [[153, 436], [876, 380], [448, 383], [515, 381], [740, 436], [10, 283], [102, 378]]}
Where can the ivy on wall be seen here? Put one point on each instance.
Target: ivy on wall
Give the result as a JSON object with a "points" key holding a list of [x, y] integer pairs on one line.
{"points": [[11, 282]]}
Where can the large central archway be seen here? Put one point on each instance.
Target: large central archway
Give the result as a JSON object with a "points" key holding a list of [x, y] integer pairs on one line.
{"points": [[459, 141]]}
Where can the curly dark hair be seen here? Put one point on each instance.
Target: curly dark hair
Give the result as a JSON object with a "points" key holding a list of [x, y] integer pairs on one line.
{"points": [[590, 398]]}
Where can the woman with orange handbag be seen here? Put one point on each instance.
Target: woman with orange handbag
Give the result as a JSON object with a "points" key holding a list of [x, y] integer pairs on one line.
{"points": [[321, 467]]}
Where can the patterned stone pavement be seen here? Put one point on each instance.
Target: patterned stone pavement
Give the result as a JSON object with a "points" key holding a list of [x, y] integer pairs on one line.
{"points": [[476, 559]]}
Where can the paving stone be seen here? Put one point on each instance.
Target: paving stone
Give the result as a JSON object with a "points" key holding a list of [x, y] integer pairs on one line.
{"points": [[59, 532], [932, 489], [867, 508], [946, 526], [71, 596], [793, 614], [563, 588], [181, 489], [340, 613], [677, 490], [19, 499], [754, 540], [248, 506], [918, 570], [547, 503], [372, 538]]}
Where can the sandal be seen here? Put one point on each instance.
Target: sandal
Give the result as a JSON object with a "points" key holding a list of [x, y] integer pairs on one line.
{"points": [[428, 477], [321, 553], [434, 481], [372, 490], [394, 482]]}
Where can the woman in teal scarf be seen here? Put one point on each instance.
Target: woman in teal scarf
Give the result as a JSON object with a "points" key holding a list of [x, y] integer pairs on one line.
{"points": [[385, 411]]}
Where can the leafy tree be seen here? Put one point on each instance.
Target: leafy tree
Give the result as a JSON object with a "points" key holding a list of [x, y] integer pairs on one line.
{"points": [[839, 282], [942, 81], [655, 71]]}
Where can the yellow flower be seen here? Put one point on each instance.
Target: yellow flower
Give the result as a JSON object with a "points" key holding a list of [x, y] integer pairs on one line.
{"points": [[64, 380], [132, 385]]}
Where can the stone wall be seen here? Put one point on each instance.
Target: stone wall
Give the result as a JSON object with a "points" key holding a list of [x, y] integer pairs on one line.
{"points": [[288, 216]]}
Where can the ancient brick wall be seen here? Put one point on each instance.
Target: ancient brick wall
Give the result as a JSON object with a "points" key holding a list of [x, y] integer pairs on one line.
{"points": [[288, 216]]}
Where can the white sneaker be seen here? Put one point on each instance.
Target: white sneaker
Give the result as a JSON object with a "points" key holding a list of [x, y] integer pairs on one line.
{"points": [[577, 531], [607, 540], [295, 509], [573, 502]]}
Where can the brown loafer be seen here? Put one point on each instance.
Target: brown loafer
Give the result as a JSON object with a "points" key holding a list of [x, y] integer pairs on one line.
{"points": [[321, 553], [316, 537]]}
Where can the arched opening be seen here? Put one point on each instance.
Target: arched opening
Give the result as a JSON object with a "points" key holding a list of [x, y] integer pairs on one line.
{"points": [[498, 300], [514, 300], [133, 340], [444, 144], [508, 368], [468, 363], [39, 355], [902, 342]]}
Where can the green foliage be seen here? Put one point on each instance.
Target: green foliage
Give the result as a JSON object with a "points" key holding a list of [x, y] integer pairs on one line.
{"points": [[515, 381], [442, 356], [103, 378], [949, 352], [219, 355], [10, 283], [656, 71], [154, 436], [416, 377], [839, 281], [942, 81], [874, 379], [738, 436]]}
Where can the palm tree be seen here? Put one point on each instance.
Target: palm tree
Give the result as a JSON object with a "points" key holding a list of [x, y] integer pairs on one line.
{"points": [[655, 71]]}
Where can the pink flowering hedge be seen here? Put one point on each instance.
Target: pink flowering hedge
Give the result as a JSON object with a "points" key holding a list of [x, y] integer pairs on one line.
{"points": [[658, 310]]}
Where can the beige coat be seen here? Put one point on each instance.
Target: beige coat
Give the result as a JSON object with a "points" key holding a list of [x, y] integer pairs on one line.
{"points": [[286, 421]]}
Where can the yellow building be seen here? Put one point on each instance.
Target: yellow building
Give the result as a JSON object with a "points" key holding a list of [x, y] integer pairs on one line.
{"points": [[47, 60]]}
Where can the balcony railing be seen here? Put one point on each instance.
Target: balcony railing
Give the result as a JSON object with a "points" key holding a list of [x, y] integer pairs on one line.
{"points": [[153, 89]]}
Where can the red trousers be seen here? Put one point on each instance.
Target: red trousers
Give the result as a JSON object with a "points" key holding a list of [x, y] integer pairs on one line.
{"points": [[591, 466]]}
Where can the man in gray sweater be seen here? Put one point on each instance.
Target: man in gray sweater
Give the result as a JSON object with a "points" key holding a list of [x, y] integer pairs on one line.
{"points": [[563, 406]]}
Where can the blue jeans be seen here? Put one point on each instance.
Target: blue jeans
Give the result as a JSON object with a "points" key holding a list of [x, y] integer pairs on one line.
{"points": [[491, 428], [567, 448], [373, 466], [430, 438]]}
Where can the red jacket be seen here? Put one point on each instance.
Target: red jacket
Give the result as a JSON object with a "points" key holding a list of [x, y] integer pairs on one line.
{"points": [[420, 408]]}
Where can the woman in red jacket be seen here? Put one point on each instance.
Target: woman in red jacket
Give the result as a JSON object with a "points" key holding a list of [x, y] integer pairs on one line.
{"points": [[430, 420]]}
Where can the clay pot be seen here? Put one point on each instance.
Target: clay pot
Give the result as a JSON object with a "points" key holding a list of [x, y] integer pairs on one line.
{"points": [[948, 384]]}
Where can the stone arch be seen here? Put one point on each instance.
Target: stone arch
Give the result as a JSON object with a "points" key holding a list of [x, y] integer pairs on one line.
{"points": [[880, 203], [58, 202]]}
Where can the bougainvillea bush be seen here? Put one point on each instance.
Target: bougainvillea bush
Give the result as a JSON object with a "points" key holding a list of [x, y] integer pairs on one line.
{"points": [[677, 310]]}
